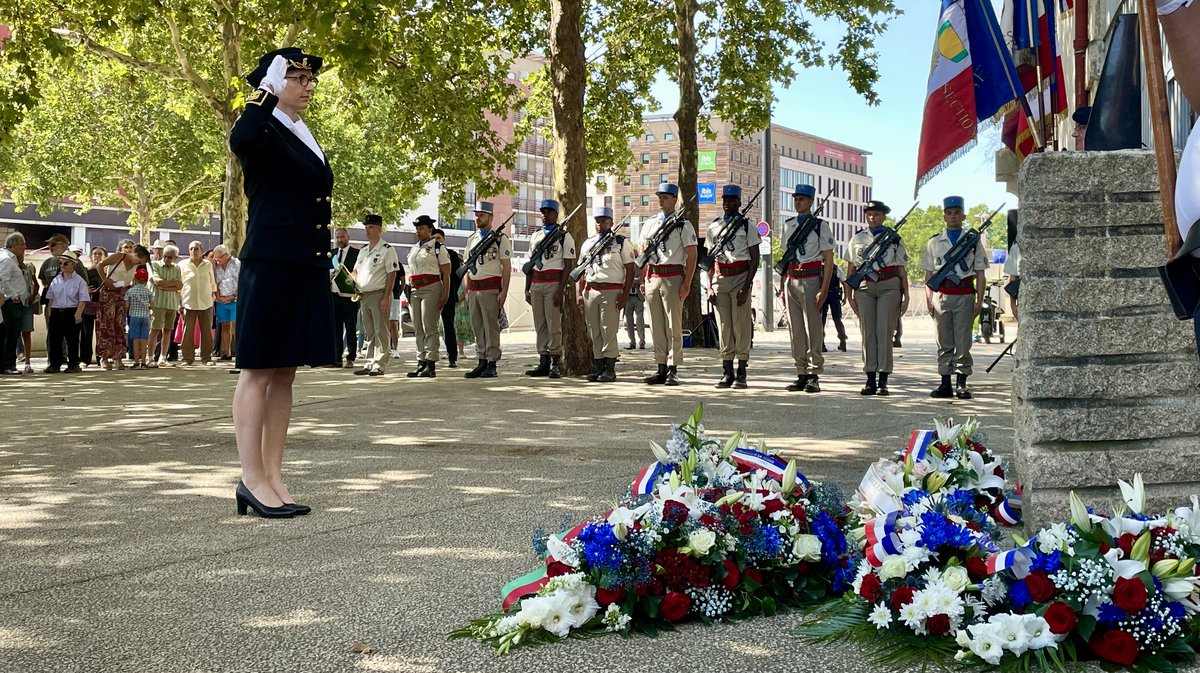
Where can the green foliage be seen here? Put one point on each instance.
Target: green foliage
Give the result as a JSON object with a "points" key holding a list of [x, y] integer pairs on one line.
{"points": [[844, 620]]}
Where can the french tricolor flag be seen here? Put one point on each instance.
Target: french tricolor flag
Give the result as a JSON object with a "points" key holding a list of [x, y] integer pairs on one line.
{"points": [[882, 540], [919, 443], [1008, 510], [1018, 560], [647, 478], [751, 460]]}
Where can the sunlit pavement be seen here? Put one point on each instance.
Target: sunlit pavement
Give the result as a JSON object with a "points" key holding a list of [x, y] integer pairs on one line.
{"points": [[120, 549]]}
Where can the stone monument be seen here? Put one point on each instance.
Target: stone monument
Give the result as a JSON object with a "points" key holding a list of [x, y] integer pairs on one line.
{"points": [[1107, 381]]}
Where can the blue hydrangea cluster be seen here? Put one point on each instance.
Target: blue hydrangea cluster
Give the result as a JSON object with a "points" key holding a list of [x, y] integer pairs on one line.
{"points": [[1049, 562], [833, 540], [937, 531], [601, 547], [1018, 594], [843, 578], [765, 543]]}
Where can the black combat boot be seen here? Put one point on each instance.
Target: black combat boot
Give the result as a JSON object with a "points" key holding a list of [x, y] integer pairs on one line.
{"points": [[726, 377], [555, 367], [421, 365], [489, 372], [672, 376], [739, 379], [960, 390], [842, 343], [871, 388], [812, 386], [944, 390], [799, 383], [543, 367], [610, 370], [477, 371], [595, 376], [658, 378], [883, 389], [430, 370]]}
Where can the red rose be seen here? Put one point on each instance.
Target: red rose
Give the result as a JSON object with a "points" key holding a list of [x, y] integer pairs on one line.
{"points": [[674, 512], [709, 521], [803, 568], [869, 589], [977, 569], [1115, 646], [732, 576], [1125, 542], [606, 597], [674, 606], [773, 505], [753, 575], [901, 597], [799, 513], [999, 471], [1130, 595], [556, 568], [938, 625], [1060, 617], [1041, 589]]}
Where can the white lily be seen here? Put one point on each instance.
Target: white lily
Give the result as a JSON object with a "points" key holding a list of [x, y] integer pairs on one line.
{"points": [[1188, 519], [1181, 589], [947, 433], [1123, 568], [789, 477], [1079, 514], [562, 552], [1134, 494], [1119, 525], [660, 454]]}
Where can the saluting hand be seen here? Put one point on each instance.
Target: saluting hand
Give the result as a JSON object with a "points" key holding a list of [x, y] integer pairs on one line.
{"points": [[274, 81]]}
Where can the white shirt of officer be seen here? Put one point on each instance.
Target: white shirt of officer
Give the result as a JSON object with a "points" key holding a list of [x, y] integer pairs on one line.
{"points": [[425, 259], [672, 250], [935, 256], [608, 267], [745, 238], [552, 259], [860, 242], [489, 265], [374, 265], [820, 240]]}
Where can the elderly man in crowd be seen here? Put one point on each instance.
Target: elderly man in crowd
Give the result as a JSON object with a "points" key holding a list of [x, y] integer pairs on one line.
{"points": [[226, 268], [14, 296], [199, 291], [167, 281], [65, 299], [57, 245]]}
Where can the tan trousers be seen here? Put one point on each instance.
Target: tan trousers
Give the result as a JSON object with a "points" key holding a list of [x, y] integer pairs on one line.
{"points": [[603, 321], [804, 323], [955, 316], [547, 318], [878, 311], [737, 323], [426, 315], [375, 327], [190, 319], [666, 318], [484, 306]]}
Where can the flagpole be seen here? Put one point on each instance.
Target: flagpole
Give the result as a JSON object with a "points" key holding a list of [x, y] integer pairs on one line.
{"points": [[1160, 122], [1017, 91]]}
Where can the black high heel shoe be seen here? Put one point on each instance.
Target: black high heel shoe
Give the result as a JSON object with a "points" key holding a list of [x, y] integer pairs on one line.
{"points": [[299, 509], [245, 499]]}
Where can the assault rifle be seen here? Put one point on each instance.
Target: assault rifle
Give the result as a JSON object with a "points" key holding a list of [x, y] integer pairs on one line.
{"points": [[796, 241], [958, 253], [471, 264], [556, 235], [601, 246], [710, 260], [668, 227], [875, 253]]}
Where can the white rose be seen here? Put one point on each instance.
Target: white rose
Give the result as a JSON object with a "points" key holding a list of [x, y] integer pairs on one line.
{"points": [[893, 567], [701, 541], [807, 548], [956, 578]]}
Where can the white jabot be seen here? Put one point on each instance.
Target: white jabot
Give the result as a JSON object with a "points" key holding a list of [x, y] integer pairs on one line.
{"points": [[301, 132]]}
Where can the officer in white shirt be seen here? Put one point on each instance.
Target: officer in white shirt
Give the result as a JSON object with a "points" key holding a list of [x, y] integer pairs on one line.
{"points": [[603, 290], [375, 272], [730, 285], [668, 281], [429, 267], [487, 289]]}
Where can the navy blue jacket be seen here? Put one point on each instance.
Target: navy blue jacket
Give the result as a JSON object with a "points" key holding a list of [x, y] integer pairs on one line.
{"points": [[290, 189]]}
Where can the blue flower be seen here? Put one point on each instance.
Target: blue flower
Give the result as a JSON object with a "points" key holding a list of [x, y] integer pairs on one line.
{"points": [[601, 547], [1018, 593], [844, 577], [1048, 562], [1176, 610], [764, 543], [938, 531], [914, 496], [1110, 614], [833, 540]]}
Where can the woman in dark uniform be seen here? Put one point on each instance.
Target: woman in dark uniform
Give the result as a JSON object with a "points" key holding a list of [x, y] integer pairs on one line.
{"points": [[284, 308]]}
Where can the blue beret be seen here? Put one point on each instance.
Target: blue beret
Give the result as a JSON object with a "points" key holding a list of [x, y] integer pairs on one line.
{"points": [[602, 211], [953, 202], [731, 190], [805, 190], [549, 204], [484, 207], [668, 188]]}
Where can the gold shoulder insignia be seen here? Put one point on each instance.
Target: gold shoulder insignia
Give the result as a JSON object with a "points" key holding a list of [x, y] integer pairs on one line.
{"points": [[256, 97]]}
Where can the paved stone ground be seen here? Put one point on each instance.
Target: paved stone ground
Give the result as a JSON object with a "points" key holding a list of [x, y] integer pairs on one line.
{"points": [[120, 550]]}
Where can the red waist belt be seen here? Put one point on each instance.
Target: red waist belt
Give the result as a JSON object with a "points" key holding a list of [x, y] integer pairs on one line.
{"points": [[805, 270], [425, 280], [484, 284], [547, 276], [733, 268], [958, 287], [603, 287], [886, 273], [665, 270]]}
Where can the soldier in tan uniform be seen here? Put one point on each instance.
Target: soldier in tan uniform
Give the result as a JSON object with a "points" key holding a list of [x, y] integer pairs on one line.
{"points": [[429, 268], [487, 289], [603, 290], [668, 281], [957, 303], [544, 289], [880, 300], [375, 272], [806, 286], [731, 283]]}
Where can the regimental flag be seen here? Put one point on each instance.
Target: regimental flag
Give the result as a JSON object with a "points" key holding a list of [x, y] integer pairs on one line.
{"points": [[1031, 26], [972, 80]]}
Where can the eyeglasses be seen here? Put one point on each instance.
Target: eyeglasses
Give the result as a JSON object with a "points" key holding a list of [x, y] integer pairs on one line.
{"points": [[304, 80]]}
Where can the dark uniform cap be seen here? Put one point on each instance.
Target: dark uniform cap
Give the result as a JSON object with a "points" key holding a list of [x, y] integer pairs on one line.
{"points": [[423, 221], [1082, 116], [733, 191], [373, 219], [295, 59], [878, 206]]}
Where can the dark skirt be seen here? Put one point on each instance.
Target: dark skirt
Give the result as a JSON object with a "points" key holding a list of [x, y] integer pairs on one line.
{"points": [[284, 316]]}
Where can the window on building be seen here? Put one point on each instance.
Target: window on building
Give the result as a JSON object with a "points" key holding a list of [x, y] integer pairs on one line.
{"points": [[589, 203], [664, 177], [522, 163], [668, 136], [539, 195], [625, 180], [664, 157], [625, 200], [645, 157], [645, 200], [649, 137], [522, 219], [645, 179]]}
